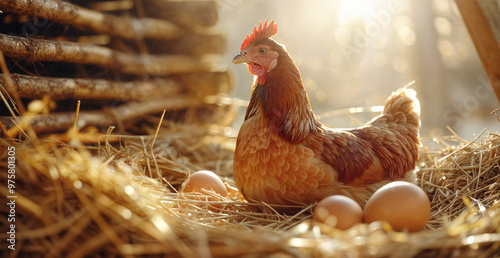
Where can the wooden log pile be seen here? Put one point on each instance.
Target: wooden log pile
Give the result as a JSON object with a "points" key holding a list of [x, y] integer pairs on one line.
{"points": [[123, 59]]}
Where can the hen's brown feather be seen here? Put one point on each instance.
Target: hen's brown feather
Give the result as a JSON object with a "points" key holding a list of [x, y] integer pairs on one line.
{"points": [[272, 170]]}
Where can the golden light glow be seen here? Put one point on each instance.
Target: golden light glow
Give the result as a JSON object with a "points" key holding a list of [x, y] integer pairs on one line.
{"points": [[353, 10]]}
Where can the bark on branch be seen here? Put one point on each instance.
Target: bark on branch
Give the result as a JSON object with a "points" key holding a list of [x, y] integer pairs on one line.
{"points": [[67, 13], [60, 51], [35, 87], [113, 116], [196, 85]]}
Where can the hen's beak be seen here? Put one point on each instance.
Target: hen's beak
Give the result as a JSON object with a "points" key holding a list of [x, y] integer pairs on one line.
{"points": [[239, 58]]}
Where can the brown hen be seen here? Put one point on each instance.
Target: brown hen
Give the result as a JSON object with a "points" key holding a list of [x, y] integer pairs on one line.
{"points": [[285, 156]]}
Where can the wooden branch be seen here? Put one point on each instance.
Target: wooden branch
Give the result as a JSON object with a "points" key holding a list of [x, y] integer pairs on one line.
{"points": [[67, 13], [190, 13], [60, 51], [201, 85], [63, 121], [189, 44], [35, 87], [484, 40], [196, 85]]}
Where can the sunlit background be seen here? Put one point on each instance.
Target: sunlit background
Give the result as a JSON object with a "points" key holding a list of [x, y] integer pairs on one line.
{"points": [[354, 53]]}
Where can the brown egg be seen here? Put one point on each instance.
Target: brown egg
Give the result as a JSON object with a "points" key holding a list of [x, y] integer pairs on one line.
{"points": [[338, 211], [403, 205], [204, 179]]}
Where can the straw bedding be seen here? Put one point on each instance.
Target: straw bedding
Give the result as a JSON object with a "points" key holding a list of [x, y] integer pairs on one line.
{"points": [[120, 198]]}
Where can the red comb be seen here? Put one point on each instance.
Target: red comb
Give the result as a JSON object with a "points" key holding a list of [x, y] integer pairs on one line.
{"points": [[260, 32]]}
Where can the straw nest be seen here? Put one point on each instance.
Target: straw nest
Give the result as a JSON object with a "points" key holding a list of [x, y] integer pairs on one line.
{"points": [[120, 197]]}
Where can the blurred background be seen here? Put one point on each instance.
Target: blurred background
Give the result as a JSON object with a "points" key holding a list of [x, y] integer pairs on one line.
{"points": [[354, 53]]}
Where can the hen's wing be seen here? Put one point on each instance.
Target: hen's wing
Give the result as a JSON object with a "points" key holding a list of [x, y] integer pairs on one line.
{"points": [[348, 154], [368, 154], [385, 148]]}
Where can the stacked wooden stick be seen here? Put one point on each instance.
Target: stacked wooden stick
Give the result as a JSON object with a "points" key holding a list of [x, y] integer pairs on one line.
{"points": [[123, 59]]}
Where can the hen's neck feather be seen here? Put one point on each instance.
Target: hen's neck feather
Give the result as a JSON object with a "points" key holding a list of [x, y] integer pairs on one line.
{"points": [[283, 101]]}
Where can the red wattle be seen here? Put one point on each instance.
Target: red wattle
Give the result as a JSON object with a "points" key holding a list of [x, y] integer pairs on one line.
{"points": [[256, 69], [259, 71]]}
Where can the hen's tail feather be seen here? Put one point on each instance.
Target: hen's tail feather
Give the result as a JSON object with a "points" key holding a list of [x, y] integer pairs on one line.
{"points": [[401, 117], [404, 101]]}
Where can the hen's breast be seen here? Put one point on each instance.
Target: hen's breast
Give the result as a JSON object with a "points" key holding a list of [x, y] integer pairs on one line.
{"points": [[268, 168]]}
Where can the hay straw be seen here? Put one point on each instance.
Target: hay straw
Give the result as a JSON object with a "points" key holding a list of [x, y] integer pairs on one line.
{"points": [[467, 171], [121, 199]]}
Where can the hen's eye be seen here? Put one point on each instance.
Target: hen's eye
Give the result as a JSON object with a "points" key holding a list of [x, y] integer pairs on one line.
{"points": [[262, 51]]}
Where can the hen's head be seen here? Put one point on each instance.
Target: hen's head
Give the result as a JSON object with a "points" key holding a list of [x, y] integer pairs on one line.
{"points": [[259, 51]]}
